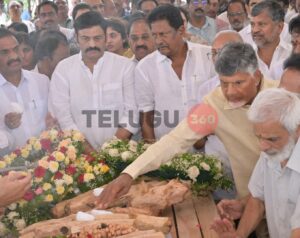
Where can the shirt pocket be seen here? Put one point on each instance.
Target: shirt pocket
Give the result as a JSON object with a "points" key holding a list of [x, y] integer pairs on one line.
{"points": [[37, 111], [111, 94]]}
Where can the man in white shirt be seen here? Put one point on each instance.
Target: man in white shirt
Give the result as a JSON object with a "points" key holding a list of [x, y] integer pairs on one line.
{"points": [[140, 38], [15, 11], [237, 15], [267, 21], [274, 185], [23, 95], [165, 95], [246, 32], [93, 91], [47, 13]]}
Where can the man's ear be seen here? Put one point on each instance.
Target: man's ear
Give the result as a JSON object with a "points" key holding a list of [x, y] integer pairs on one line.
{"points": [[181, 30], [258, 77], [298, 132]]}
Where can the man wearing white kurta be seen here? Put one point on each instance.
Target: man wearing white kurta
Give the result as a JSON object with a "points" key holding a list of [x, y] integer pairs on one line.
{"points": [[269, 37], [23, 96], [93, 91], [179, 81], [274, 185]]}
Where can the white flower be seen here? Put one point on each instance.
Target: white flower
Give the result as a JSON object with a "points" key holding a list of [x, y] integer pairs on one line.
{"points": [[218, 176], [126, 155], [205, 166], [20, 224], [2, 229], [133, 145], [12, 206], [193, 173], [59, 182], [146, 146], [11, 215], [113, 152], [219, 165], [105, 145]]}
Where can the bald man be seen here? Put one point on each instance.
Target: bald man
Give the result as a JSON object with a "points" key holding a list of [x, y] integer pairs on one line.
{"points": [[213, 145]]}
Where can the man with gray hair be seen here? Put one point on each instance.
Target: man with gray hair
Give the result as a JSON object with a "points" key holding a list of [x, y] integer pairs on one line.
{"points": [[267, 22], [274, 185], [240, 81]]}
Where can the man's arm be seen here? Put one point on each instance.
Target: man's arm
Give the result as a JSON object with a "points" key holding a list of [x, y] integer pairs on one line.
{"points": [[295, 233], [179, 140], [253, 214], [147, 119]]}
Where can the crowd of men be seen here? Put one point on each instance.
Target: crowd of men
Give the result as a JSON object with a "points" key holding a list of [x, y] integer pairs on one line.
{"points": [[135, 70]]}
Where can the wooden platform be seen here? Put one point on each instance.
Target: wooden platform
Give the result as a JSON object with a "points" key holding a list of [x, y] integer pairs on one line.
{"points": [[192, 218]]}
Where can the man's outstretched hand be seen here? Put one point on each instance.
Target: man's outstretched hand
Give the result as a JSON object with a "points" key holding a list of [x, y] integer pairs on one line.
{"points": [[114, 190]]}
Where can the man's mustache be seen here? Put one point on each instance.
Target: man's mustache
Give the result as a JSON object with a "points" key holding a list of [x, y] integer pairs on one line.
{"points": [[13, 60], [141, 47], [92, 48]]}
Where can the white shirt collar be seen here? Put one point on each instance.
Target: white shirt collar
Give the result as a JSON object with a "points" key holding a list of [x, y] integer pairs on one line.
{"points": [[294, 161], [23, 78], [160, 57]]}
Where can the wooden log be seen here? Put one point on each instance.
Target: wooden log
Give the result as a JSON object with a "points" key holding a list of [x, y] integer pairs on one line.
{"points": [[187, 220], [144, 222], [207, 212]]}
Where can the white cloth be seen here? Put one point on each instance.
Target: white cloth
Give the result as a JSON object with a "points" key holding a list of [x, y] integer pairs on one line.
{"points": [[158, 87], [290, 14], [247, 37], [29, 24], [32, 96], [280, 190], [223, 16], [69, 33], [110, 88], [281, 53]]}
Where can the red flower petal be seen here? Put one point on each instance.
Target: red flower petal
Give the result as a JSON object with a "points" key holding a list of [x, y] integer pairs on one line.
{"points": [[39, 172]]}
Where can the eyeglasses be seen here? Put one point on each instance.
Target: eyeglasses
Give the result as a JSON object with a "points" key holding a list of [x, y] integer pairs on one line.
{"points": [[197, 2], [235, 14]]}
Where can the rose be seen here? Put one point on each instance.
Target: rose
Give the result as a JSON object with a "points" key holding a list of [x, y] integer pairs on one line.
{"points": [[53, 166], [193, 173], [89, 158], [46, 144], [71, 169], [60, 190], [20, 224], [88, 177], [17, 152], [104, 169], [29, 195], [59, 156], [46, 186], [25, 153], [39, 172], [113, 152], [12, 206], [49, 198], [38, 191], [58, 175], [81, 178], [126, 155], [51, 158], [43, 163], [63, 149], [12, 215], [205, 166], [2, 164]]}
